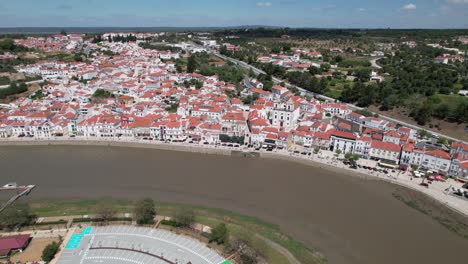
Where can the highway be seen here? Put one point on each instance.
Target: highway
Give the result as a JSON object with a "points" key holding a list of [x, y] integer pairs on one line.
{"points": [[326, 98]]}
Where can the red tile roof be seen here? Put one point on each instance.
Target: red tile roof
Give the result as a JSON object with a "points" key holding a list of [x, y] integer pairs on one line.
{"points": [[342, 134], [14, 242], [385, 146], [460, 145], [439, 154]]}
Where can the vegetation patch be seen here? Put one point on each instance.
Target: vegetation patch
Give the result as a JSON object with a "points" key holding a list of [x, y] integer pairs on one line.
{"points": [[241, 228], [453, 221]]}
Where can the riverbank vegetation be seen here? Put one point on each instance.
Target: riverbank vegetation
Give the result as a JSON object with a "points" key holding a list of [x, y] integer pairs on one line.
{"points": [[199, 62], [13, 89], [240, 230], [451, 220], [412, 81]]}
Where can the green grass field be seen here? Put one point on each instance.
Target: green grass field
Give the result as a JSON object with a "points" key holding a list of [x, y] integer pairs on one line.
{"points": [[240, 226]]}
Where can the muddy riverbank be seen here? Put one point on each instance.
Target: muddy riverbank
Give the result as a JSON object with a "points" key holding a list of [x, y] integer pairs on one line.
{"points": [[349, 219]]}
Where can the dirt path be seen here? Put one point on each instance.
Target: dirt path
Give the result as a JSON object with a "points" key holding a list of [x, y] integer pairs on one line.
{"points": [[280, 249]]}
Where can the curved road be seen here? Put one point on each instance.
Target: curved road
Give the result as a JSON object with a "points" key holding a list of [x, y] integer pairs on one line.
{"points": [[348, 219], [374, 63], [31, 82], [323, 97]]}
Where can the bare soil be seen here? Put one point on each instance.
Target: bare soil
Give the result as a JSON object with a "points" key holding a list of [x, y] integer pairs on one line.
{"points": [[31, 89], [440, 126], [350, 219], [34, 251]]}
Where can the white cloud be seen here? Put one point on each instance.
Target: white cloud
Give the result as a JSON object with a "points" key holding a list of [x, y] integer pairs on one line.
{"points": [[457, 1], [264, 4], [409, 6], [361, 9]]}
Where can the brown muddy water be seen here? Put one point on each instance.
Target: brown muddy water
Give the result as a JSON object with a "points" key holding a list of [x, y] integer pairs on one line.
{"points": [[348, 219]]}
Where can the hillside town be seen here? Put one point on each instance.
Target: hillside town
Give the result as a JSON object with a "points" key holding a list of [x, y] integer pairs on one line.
{"points": [[125, 91]]}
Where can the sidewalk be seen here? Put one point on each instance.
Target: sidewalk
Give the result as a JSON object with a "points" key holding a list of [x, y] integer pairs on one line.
{"points": [[436, 190]]}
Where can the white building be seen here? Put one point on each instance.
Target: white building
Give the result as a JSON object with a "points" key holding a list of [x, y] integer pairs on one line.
{"points": [[363, 145], [343, 141], [284, 115], [436, 160], [385, 151]]}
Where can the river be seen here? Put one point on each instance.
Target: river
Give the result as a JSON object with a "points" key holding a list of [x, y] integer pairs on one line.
{"points": [[348, 219]]}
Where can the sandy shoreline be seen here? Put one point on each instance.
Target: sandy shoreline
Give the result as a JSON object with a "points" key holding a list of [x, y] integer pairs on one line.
{"points": [[212, 150], [320, 205]]}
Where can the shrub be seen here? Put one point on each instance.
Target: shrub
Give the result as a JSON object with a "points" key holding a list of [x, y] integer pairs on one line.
{"points": [[49, 251]]}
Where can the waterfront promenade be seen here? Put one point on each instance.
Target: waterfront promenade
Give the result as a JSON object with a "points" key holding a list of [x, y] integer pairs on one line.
{"points": [[324, 159]]}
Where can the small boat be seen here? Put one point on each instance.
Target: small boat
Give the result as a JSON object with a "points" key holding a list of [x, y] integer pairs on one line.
{"points": [[10, 185]]}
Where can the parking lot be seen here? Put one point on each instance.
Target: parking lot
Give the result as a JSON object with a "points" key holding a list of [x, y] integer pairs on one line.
{"points": [[129, 244]]}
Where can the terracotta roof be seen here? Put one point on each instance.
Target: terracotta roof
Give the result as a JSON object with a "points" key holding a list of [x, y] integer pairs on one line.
{"points": [[439, 154], [342, 134], [385, 146], [14, 242], [460, 145]]}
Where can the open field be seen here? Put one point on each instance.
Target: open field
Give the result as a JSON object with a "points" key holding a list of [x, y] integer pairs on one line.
{"points": [[34, 251], [323, 209], [240, 226], [451, 129]]}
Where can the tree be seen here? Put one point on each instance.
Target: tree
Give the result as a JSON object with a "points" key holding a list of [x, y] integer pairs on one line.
{"points": [[248, 254], [184, 217], [101, 93], [423, 114], [314, 70], [191, 64], [145, 211], [14, 88], [316, 150], [7, 44], [219, 234], [77, 57], [423, 133], [363, 74], [324, 67], [460, 113], [338, 59], [106, 212], [252, 73], [63, 32], [49, 251], [338, 152], [16, 215], [442, 141]]}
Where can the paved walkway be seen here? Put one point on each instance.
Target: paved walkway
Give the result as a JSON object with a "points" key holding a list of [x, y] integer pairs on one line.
{"points": [[436, 190], [280, 249]]}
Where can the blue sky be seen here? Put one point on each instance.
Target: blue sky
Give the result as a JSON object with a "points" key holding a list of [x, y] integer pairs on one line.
{"points": [[292, 13]]}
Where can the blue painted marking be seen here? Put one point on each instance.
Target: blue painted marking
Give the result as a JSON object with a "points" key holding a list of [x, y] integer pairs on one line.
{"points": [[87, 230], [74, 241]]}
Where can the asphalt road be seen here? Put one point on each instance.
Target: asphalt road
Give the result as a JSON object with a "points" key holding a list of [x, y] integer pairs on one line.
{"points": [[323, 97], [31, 82]]}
